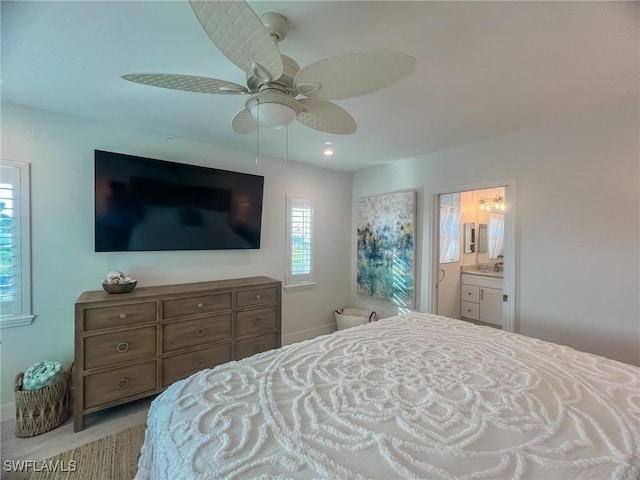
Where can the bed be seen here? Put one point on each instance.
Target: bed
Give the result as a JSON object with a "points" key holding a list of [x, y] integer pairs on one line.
{"points": [[412, 396]]}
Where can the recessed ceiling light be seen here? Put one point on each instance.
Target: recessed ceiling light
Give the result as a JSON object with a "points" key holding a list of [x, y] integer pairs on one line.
{"points": [[328, 149]]}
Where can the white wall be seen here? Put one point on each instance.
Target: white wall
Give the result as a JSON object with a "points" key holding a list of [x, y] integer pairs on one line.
{"points": [[577, 224], [60, 150]]}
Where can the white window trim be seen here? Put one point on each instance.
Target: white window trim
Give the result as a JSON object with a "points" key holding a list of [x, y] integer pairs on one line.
{"points": [[298, 282], [25, 316]]}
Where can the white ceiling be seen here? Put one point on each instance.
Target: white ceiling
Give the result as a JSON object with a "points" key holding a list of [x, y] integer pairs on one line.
{"points": [[483, 68]]}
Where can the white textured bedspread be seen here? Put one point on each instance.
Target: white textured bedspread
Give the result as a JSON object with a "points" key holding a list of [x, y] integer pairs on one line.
{"points": [[415, 396]]}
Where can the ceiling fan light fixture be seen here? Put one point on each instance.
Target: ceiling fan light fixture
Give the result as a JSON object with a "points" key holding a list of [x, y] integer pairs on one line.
{"points": [[273, 109], [273, 115]]}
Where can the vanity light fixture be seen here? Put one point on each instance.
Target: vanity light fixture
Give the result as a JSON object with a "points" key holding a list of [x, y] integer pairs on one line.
{"points": [[492, 203]]}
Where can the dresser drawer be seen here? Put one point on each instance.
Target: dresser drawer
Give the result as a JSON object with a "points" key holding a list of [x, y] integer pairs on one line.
{"points": [[181, 366], [254, 321], [259, 296], [199, 331], [251, 346], [470, 293], [119, 383], [101, 350], [95, 318], [181, 307], [470, 310]]}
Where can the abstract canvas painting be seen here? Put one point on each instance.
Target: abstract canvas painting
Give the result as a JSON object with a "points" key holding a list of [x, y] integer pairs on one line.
{"points": [[386, 247]]}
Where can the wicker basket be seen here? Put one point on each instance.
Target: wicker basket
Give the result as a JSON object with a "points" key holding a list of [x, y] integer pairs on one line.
{"points": [[353, 317], [38, 411]]}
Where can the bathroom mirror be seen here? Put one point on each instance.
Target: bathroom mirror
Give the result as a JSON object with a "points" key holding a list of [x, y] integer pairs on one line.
{"points": [[469, 237], [482, 238]]}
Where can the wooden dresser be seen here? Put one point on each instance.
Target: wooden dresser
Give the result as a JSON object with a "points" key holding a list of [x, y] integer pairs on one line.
{"points": [[133, 345]]}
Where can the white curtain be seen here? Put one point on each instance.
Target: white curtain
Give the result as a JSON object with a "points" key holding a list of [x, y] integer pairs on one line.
{"points": [[449, 233], [496, 234]]}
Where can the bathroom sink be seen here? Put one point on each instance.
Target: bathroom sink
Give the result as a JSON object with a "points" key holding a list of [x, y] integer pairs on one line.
{"points": [[486, 273], [484, 270]]}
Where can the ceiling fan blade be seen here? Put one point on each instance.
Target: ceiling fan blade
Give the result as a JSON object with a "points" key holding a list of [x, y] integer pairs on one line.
{"points": [[243, 122], [187, 83], [326, 117], [240, 35], [354, 74]]}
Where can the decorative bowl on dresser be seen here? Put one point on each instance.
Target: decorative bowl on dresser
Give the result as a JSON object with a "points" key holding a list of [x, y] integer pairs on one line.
{"points": [[135, 345], [119, 287]]}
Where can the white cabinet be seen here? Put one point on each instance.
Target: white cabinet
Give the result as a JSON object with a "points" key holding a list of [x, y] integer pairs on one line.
{"points": [[481, 298], [491, 305]]}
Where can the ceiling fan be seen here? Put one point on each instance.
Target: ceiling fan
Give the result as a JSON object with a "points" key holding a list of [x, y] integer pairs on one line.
{"points": [[280, 91]]}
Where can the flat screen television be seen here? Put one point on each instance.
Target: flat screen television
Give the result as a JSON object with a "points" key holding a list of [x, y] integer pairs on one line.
{"points": [[142, 204]]}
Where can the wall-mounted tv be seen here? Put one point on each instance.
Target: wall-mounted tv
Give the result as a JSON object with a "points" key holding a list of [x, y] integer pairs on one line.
{"points": [[143, 204]]}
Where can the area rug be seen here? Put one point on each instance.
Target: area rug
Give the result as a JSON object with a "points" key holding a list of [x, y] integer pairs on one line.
{"points": [[110, 458]]}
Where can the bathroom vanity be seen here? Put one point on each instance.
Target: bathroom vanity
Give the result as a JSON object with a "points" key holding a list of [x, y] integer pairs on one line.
{"points": [[481, 296]]}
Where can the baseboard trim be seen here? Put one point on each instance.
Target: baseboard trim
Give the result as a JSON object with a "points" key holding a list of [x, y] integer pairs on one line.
{"points": [[308, 333]]}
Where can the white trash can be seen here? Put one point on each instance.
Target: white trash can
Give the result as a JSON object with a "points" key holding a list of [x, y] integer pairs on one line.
{"points": [[352, 317]]}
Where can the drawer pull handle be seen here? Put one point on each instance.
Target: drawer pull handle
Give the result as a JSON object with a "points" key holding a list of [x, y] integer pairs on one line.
{"points": [[123, 316], [122, 347], [258, 297], [256, 321], [199, 332], [123, 383], [469, 310], [200, 305], [200, 363]]}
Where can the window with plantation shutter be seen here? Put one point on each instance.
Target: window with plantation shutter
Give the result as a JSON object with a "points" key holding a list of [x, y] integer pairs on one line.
{"points": [[15, 256], [300, 242]]}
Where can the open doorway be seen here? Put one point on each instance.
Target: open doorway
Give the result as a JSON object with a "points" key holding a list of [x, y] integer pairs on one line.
{"points": [[473, 254]]}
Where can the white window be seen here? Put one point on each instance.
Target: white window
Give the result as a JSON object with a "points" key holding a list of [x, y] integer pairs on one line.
{"points": [[496, 234], [450, 214], [300, 243], [15, 243]]}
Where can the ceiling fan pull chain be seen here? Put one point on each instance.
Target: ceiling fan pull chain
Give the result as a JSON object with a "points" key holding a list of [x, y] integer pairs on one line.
{"points": [[257, 131], [286, 157]]}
